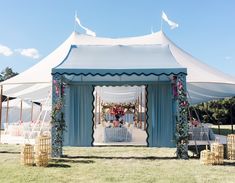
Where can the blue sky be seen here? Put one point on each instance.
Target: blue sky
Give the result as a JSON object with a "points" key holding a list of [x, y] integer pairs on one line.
{"points": [[30, 30]]}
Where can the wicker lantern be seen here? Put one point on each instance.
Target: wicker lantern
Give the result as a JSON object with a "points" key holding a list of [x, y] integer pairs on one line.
{"points": [[206, 157], [218, 151], [43, 144], [42, 150], [27, 157], [231, 147], [41, 159]]}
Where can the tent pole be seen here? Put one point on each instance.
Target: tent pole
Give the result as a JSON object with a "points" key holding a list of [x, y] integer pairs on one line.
{"points": [[95, 121], [40, 112], [21, 110], [231, 116], [138, 109], [1, 92], [99, 111], [141, 109], [134, 122], [32, 112], [7, 113], [145, 109]]}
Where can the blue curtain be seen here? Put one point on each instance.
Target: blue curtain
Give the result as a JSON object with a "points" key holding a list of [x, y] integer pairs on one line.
{"points": [[129, 118], [161, 124], [78, 115]]}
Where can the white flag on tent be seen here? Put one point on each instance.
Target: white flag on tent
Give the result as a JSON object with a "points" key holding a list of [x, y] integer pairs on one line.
{"points": [[170, 23], [88, 31]]}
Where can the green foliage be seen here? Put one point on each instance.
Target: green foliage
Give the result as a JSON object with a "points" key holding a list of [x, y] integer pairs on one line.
{"points": [[7, 73], [215, 112], [181, 133], [57, 118], [222, 131]]}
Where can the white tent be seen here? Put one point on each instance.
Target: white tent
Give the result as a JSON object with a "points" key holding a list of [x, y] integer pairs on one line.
{"points": [[11, 111], [119, 94], [204, 83], [17, 103]]}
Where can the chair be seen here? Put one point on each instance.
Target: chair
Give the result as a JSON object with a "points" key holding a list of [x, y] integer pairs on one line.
{"points": [[129, 132], [204, 133]]}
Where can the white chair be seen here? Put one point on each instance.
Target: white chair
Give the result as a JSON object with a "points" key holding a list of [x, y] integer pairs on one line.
{"points": [[204, 133], [129, 132]]}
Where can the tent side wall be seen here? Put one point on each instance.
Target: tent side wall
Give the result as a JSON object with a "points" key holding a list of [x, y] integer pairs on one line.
{"points": [[161, 123], [79, 116]]}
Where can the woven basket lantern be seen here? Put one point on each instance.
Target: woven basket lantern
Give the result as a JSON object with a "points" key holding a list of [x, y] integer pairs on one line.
{"points": [[27, 157], [206, 157], [231, 146], [41, 159], [43, 144], [218, 151]]}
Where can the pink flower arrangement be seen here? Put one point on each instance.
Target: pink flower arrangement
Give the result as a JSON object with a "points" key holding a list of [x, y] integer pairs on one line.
{"points": [[57, 88], [180, 85], [117, 110]]}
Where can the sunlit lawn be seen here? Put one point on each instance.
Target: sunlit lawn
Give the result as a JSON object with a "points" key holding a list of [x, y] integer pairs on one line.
{"points": [[112, 164], [224, 129]]}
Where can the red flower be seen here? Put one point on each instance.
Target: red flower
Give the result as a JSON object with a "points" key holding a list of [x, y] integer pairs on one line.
{"points": [[117, 110]]}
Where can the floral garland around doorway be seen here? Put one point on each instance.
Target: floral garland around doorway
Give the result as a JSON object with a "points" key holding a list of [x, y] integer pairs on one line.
{"points": [[57, 118], [182, 122]]}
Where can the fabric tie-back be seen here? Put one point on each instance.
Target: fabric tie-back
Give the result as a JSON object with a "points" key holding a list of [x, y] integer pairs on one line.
{"points": [[161, 125], [78, 115]]}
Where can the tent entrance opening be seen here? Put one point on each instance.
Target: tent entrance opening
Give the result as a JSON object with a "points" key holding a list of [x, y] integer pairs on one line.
{"points": [[120, 115]]}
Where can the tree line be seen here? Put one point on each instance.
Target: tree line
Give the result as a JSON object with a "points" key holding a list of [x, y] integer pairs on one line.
{"points": [[7, 73], [215, 112]]}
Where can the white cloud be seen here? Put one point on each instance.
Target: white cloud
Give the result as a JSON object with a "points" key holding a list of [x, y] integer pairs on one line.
{"points": [[227, 58], [4, 50], [29, 52]]}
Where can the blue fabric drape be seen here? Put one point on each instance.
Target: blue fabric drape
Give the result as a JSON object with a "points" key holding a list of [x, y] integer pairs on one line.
{"points": [[78, 115], [129, 118], [160, 119]]}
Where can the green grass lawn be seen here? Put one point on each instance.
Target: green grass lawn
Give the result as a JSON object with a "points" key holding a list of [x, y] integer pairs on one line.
{"points": [[224, 129], [112, 164]]}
